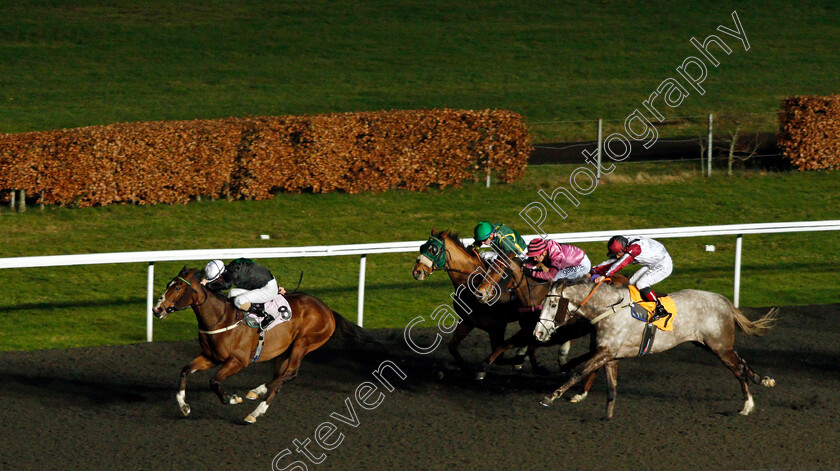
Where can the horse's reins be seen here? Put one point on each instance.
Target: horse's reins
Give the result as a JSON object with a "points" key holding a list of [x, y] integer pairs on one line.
{"points": [[597, 318], [210, 332]]}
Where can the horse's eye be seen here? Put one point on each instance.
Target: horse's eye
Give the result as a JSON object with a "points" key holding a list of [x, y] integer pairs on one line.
{"points": [[433, 250]]}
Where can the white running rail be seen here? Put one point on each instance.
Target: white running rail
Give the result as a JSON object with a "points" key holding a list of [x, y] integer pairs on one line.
{"points": [[738, 230]]}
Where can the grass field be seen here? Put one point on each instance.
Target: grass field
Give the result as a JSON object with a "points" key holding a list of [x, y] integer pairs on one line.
{"points": [[79, 63], [69, 64], [105, 304]]}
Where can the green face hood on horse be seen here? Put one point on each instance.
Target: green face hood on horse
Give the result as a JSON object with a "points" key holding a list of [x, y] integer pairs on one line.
{"points": [[434, 253]]}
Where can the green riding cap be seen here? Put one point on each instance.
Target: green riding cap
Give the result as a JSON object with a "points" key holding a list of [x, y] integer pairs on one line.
{"points": [[506, 238], [482, 231]]}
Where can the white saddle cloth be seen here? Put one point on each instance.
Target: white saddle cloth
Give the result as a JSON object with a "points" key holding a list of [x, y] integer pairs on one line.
{"points": [[278, 308]]}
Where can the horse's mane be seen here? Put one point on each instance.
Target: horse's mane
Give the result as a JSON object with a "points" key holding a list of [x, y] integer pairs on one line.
{"points": [[198, 274], [453, 236]]}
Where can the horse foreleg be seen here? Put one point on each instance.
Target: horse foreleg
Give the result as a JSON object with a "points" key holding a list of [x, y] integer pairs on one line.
{"points": [[601, 357], [563, 353], [587, 385], [229, 368], [520, 340], [201, 363], [460, 333], [611, 369], [288, 373]]}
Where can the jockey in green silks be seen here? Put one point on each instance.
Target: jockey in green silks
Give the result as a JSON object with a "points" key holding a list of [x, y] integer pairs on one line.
{"points": [[499, 235]]}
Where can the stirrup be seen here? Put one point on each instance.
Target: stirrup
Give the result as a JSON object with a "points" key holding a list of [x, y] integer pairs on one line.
{"points": [[266, 321], [647, 339], [257, 308]]}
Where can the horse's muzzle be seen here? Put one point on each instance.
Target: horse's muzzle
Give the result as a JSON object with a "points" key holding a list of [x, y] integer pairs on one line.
{"points": [[161, 312]]}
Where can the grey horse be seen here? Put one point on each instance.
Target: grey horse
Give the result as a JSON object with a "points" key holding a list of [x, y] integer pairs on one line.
{"points": [[702, 316]]}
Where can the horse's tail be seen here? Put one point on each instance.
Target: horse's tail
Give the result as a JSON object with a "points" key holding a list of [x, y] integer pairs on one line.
{"points": [[353, 331], [757, 327]]}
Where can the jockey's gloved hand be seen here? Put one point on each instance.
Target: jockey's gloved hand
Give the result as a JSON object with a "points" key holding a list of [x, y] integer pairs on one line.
{"points": [[528, 270]]}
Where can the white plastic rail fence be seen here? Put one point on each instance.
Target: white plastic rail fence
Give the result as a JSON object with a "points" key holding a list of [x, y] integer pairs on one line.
{"points": [[738, 230]]}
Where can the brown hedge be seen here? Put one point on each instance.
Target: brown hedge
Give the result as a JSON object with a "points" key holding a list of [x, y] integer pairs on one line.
{"points": [[253, 158], [809, 132]]}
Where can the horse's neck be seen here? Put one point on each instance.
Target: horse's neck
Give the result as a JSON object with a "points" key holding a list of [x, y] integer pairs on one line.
{"points": [[530, 295], [213, 312], [461, 264], [604, 296]]}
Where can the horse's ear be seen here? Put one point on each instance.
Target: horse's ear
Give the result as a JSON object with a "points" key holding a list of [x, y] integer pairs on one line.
{"points": [[433, 230], [445, 233]]}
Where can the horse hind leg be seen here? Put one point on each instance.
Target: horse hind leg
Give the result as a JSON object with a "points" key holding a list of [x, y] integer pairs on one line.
{"points": [[289, 372], [744, 373], [279, 365]]}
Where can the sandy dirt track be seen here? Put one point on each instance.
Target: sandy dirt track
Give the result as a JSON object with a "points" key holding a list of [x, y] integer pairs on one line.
{"points": [[115, 408]]}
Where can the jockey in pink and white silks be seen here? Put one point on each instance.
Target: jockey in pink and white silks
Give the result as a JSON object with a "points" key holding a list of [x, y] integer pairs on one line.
{"points": [[564, 262], [652, 255]]}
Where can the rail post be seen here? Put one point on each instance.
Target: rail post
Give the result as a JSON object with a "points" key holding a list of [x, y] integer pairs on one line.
{"points": [[737, 289], [360, 316], [150, 286]]}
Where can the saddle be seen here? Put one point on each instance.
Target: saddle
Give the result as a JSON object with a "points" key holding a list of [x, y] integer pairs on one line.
{"points": [[279, 310], [644, 311]]}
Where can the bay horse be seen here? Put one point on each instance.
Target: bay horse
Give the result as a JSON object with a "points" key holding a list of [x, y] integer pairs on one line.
{"points": [[445, 251], [507, 277], [226, 340], [702, 317]]}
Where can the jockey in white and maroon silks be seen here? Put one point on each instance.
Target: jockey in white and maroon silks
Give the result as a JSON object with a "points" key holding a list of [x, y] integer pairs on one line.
{"points": [[655, 260], [564, 262]]}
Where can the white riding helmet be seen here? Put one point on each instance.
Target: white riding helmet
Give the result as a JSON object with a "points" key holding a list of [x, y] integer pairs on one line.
{"points": [[213, 269]]}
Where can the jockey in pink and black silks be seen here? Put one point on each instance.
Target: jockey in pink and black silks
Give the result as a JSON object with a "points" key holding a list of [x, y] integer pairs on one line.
{"points": [[652, 255], [563, 261]]}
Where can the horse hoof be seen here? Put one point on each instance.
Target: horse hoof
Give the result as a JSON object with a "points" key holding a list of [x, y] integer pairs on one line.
{"points": [[185, 409], [768, 381], [546, 401], [252, 396], [250, 419], [578, 397], [517, 367], [480, 375], [235, 400]]}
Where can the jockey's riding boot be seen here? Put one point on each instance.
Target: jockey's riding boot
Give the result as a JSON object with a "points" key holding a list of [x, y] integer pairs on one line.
{"points": [[660, 311], [267, 320], [257, 308]]}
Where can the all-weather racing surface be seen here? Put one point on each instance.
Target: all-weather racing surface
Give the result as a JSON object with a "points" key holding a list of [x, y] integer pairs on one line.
{"points": [[115, 408]]}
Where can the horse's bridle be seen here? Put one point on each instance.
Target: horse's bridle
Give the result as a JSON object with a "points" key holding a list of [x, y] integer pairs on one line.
{"points": [[189, 284], [576, 312], [446, 257], [554, 323], [198, 304], [508, 273]]}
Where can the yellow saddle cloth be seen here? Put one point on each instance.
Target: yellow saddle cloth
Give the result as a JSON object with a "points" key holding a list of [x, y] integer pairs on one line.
{"points": [[663, 323]]}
